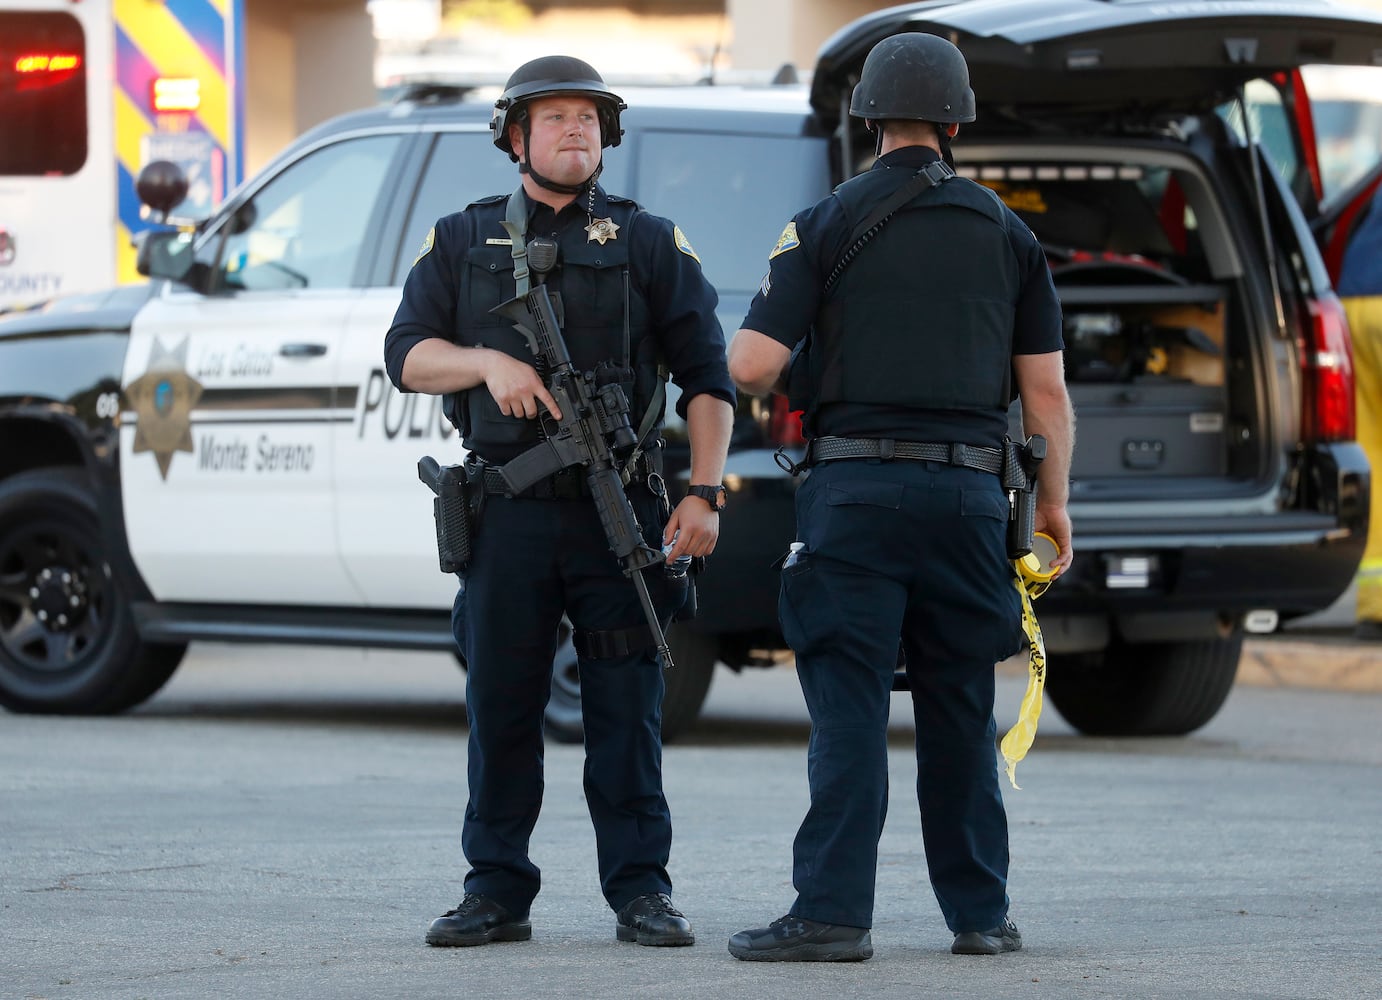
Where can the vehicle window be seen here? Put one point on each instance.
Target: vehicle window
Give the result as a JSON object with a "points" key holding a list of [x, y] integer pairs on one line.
{"points": [[1346, 103], [1272, 128], [42, 94], [731, 195], [304, 229], [463, 167]]}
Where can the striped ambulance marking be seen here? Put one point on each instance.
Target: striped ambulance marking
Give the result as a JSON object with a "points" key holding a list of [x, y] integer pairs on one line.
{"points": [[185, 38]]}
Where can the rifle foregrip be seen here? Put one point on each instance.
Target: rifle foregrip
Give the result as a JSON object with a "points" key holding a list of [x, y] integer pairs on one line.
{"points": [[616, 513]]}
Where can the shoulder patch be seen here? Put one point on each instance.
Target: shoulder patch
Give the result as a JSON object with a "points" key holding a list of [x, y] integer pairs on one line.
{"points": [[787, 241], [426, 245], [683, 244]]}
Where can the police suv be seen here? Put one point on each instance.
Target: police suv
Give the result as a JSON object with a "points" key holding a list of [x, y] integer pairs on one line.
{"points": [[219, 454]]}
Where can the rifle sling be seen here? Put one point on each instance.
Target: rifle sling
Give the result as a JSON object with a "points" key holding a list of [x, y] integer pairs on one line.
{"points": [[929, 176]]}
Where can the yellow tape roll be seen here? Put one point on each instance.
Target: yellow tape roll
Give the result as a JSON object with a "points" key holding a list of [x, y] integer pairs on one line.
{"points": [[1034, 575]]}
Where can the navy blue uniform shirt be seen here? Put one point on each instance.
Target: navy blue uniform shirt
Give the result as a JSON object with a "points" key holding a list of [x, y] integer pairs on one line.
{"points": [[789, 299], [661, 264]]}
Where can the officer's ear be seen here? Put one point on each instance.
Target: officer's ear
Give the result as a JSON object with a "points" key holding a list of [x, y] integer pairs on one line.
{"points": [[516, 140], [953, 129]]}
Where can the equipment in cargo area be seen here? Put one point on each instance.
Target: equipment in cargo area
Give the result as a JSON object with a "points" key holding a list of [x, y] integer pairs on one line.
{"points": [[1146, 374]]}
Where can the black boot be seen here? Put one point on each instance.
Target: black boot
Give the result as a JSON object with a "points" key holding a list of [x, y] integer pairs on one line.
{"points": [[477, 920], [1004, 937], [653, 920], [796, 939]]}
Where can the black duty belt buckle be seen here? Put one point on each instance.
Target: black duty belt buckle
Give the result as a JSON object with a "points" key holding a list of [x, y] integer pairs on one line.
{"points": [[959, 454]]}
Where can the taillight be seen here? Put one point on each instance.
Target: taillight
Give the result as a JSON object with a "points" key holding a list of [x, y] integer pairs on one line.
{"points": [[784, 424], [1327, 406]]}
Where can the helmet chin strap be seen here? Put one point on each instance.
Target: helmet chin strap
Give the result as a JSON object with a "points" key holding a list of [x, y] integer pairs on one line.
{"points": [[944, 137]]}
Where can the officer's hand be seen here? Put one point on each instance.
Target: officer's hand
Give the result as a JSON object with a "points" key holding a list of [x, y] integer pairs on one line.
{"points": [[516, 387], [699, 528], [1055, 521]]}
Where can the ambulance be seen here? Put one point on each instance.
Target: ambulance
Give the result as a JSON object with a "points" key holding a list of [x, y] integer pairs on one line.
{"points": [[90, 92]]}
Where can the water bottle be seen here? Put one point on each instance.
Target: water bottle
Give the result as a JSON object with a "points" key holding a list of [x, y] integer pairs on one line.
{"points": [[676, 568], [794, 552]]}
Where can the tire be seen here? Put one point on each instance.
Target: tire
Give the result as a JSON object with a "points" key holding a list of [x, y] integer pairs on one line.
{"points": [[68, 643], [1151, 689], [563, 719], [687, 683], [694, 655]]}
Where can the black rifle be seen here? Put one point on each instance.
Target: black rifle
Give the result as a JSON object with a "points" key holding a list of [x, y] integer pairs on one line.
{"points": [[593, 431]]}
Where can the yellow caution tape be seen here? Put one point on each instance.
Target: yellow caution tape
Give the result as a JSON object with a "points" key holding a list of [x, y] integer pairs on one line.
{"points": [[1034, 575]]}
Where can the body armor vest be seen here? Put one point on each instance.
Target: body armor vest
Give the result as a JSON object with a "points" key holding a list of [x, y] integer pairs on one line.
{"points": [[923, 317], [597, 297]]}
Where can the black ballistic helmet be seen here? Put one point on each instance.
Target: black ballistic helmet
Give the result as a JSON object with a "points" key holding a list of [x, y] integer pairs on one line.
{"points": [[917, 77], [552, 76]]}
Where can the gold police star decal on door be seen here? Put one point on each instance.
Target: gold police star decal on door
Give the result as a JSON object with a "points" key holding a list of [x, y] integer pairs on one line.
{"points": [[162, 399], [601, 230]]}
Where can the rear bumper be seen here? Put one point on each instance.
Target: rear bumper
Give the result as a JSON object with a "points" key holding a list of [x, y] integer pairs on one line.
{"points": [[1202, 573]]}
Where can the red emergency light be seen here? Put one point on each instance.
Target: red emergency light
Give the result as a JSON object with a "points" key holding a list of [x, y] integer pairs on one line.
{"points": [[176, 93], [45, 69]]}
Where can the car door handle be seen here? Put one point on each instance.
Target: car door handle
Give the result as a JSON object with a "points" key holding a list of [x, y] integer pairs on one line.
{"points": [[302, 350]]}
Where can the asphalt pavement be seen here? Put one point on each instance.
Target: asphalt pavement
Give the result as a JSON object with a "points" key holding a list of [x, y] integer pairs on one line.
{"points": [[283, 822]]}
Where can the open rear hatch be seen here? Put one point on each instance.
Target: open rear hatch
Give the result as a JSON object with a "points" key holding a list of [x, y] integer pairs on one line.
{"points": [[1028, 57]]}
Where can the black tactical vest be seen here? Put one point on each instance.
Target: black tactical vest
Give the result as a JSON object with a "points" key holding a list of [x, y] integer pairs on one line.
{"points": [[923, 316], [597, 294]]}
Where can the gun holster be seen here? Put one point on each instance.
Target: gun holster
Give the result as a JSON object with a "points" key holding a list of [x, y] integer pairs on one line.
{"points": [[1020, 463], [454, 512]]}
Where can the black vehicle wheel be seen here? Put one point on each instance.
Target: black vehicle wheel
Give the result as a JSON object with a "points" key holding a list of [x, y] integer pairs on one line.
{"points": [[68, 643], [1150, 689], [687, 683], [563, 720], [694, 655]]}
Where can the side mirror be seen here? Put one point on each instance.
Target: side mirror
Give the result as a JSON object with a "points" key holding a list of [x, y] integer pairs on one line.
{"points": [[164, 253]]}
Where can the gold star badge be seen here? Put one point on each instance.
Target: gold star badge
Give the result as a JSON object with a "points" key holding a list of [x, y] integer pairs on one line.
{"points": [[163, 398], [601, 230]]}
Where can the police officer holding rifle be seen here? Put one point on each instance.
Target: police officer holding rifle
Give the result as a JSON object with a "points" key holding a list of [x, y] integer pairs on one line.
{"points": [[549, 318], [902, 314]]}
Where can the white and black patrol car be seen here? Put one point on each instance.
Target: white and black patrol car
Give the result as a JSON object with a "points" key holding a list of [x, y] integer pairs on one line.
{"points": [[219, 455]]}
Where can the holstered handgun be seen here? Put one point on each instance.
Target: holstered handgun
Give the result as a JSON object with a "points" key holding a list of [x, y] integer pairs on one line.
{"points": [[1019, 476], [452, 510]]}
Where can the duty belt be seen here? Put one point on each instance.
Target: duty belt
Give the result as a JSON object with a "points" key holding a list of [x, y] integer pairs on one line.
{"points": [[970, 456]]}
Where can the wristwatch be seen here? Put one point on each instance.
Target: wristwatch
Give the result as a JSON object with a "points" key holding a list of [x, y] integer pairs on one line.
{"points": [[713, 495]]}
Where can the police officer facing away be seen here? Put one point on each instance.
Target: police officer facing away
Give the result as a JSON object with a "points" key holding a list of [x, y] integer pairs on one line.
{"points": [[905, 380], [633, 296]]}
